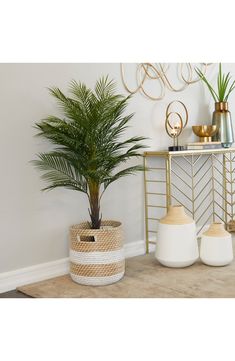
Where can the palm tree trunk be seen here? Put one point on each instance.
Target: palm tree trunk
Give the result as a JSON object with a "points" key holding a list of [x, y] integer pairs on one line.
{"points": [[94, 206]]}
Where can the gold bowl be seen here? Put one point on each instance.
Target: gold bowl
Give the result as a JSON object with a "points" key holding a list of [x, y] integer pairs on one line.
{"points": [[205, 132]]}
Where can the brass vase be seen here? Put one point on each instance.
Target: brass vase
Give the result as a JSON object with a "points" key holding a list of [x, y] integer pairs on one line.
{"points": [[222, 119]]}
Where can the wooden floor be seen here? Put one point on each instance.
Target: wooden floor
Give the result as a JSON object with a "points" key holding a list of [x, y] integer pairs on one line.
{"points": [[14, 294], [146, 278]]}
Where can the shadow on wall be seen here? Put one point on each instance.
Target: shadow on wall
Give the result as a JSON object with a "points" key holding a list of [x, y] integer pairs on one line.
{"points": [[204, 115]]}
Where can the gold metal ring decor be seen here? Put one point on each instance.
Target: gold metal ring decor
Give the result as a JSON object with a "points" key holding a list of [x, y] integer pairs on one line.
{"points": [[158, 73], [174, 127]]}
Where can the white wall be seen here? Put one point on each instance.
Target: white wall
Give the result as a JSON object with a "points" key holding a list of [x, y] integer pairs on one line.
{"points": [[34, 225]]}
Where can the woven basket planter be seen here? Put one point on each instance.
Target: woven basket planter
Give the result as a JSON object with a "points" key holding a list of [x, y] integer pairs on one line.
{"points": [[98, 262]]}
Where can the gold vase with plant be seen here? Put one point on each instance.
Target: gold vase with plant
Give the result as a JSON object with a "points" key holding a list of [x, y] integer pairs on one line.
{"points": [[221, 115]]}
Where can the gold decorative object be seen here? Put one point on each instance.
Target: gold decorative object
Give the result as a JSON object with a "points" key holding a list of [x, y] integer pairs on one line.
{"points": [[174, 129], [158, 73], [205, 132], [200, 180], [222, 119]]}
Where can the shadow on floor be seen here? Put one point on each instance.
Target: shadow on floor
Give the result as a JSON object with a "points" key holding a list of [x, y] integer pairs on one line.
{"points": [[13, 294]]}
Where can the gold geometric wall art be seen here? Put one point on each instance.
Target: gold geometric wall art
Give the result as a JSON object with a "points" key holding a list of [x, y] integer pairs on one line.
{"points": [[158, 73]]}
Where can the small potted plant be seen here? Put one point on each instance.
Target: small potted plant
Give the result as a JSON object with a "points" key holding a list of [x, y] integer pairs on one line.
{"points": [[221, 115], [89, 150]]}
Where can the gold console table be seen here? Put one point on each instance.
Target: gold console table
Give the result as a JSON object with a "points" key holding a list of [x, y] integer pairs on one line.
{"points": [[201, 180]]}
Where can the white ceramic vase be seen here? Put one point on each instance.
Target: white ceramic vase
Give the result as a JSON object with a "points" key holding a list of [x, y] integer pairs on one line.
{"points": [[176, 242], [216, 246]]}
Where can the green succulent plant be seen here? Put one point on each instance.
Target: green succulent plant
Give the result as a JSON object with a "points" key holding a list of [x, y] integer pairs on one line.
{"points": [[89, 143], [224, 85]]}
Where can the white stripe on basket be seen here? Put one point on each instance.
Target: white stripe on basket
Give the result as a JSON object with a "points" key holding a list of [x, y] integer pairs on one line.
{"points": [[97, 281], [97, 257]]}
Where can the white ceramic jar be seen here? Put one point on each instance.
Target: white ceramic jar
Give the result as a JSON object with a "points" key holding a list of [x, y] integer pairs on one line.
{"points": [[176, 241], [216, 246]]}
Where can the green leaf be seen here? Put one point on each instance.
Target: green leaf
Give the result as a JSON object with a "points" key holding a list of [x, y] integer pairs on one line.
{"points": [[223, 88], [123, 173], [89, 141], [232, 87], [59, 171], [212, 91]]}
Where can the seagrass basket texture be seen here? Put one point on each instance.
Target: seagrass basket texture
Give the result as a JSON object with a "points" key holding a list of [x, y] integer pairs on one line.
{"points": [[97, 255]]}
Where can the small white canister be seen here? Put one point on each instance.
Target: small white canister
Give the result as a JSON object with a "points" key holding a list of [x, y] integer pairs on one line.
{"points": [[176, 241], [216, 247]]}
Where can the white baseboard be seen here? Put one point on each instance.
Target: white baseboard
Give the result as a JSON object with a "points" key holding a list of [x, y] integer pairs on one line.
{"points": [[23, 276], [137, 248]]}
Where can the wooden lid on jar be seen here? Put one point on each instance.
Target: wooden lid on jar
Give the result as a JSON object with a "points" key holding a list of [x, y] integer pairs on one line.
{"points": [[216, 229], [176, 215]]}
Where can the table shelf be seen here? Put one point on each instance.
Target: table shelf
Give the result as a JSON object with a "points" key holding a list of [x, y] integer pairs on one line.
{"points": [[200, 180]]}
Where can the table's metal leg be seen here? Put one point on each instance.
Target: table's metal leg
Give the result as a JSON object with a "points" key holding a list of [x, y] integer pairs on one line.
{"points": [[146, 206], [225, 195], [168, 181], [213, 187]]}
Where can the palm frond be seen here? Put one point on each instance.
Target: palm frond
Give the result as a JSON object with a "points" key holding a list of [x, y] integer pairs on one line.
{"points": [[59, 172], [123, 173], [89, 141], [105, 88]]}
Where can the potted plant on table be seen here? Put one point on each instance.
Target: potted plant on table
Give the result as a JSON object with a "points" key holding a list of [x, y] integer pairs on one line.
{"points": [[88, 151], [221, 115]]}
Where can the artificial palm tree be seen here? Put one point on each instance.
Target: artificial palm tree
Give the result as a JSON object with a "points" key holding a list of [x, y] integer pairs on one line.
{"points": [[88, 144]]}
